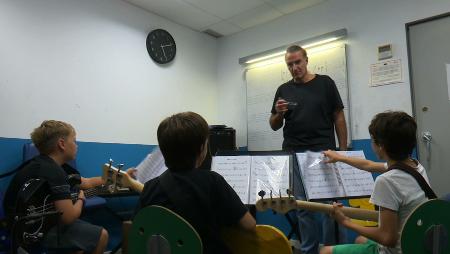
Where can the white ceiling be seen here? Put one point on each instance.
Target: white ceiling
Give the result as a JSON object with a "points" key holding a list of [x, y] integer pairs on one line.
{"points": [[224, 17]]}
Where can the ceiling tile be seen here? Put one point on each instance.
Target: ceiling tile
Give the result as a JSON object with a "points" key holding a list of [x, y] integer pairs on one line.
{"points": [[253, 17], [288, 6], [224, 28], [225, 8], [178, 11]]}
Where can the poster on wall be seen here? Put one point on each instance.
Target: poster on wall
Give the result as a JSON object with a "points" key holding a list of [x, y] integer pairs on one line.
{"points": [[386, 73]]}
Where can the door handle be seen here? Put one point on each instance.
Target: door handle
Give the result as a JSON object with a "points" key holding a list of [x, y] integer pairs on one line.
{"points": [[427, 137]]}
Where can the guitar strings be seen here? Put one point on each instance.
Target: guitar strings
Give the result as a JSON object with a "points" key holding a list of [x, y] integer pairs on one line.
{"points": [[50, 206]]}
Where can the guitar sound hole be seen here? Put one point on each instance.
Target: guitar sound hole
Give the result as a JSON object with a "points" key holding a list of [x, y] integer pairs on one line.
{"points": [[180, 242], [141, 231]]}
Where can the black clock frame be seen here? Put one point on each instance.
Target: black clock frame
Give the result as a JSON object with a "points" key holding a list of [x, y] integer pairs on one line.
{"points": [[157, 42]]}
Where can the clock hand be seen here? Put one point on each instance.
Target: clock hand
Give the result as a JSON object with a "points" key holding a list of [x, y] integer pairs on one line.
{"points": [[162, 47], [167, 45]]}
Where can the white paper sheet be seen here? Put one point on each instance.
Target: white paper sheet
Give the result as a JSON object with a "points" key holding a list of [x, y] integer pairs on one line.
{"points": [[327, 180], [236, 171], [152, 166]]}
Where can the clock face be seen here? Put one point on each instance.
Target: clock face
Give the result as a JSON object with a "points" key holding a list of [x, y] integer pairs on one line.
{"points": [[161, 46]]}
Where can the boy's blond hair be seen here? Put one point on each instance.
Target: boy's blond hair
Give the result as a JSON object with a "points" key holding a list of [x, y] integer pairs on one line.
{"points": [[45, 137]]}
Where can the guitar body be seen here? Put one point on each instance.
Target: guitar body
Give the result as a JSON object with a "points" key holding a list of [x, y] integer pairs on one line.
{"points": [[34, 214], [265, 240]]}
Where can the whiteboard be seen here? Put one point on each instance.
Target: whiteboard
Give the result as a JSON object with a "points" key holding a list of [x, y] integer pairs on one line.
{"points": [[263, 81]]}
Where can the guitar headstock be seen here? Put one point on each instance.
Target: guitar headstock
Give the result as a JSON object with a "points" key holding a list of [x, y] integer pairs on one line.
{"points": [[115, 178], [280, 204]]}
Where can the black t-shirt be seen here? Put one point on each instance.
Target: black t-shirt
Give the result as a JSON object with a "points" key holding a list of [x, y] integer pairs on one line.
{"points": [[310, 124], [209, 203], [45, 168]]}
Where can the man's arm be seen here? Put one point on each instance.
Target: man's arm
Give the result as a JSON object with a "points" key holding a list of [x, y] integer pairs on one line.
{"points": [[70, 211], [276, 121], [277, 117], [386, 233], [341, 129], [247, 222], [87, 183], [367, 165]]}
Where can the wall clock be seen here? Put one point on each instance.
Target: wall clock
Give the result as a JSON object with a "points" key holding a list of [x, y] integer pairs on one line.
{"points": [[161, 46]]}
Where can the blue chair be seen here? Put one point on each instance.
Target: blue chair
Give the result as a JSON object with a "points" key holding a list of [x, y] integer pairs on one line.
{"points": [[29, 151]]}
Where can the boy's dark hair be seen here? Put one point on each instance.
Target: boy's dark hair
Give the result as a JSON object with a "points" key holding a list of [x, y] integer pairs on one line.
{"points": [[295, 48], [395, 131], [180, 139]]}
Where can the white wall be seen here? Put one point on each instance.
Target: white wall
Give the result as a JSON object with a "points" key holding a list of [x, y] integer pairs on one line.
{"points": [[369, 24], [86, 62]]}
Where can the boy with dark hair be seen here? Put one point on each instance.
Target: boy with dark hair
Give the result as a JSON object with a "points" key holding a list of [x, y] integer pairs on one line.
{"points": [[396, 192], [202, 197], [56, 142]]}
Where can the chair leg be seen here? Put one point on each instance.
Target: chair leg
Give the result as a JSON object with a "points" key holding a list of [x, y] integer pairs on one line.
{"points": [[126, 228]]}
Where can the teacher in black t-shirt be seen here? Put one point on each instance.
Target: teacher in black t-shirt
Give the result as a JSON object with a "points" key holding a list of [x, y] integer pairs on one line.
{"points": [[310, 108]]}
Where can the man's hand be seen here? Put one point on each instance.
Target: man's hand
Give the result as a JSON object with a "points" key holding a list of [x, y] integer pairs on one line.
{"points": [[281, 106], [338, 215], [332, 156], [132, 172]]}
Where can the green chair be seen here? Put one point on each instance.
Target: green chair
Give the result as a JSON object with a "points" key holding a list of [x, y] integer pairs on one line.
{"points": [[156, 229], [427, 230]]}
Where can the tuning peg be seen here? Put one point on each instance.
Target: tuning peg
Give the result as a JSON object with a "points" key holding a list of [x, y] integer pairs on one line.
{"points": [[110, 163], [120, 166], [271, 195], [261, 193]]}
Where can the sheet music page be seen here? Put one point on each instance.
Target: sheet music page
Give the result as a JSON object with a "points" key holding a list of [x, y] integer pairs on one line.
{"points": [[357, 182], [236, 171], [319, 178], [152, 166], [269, 173]]}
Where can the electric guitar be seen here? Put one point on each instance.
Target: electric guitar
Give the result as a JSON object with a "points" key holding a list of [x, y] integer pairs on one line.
{"points": [[286, 204], [265, 240], [35, 213]]}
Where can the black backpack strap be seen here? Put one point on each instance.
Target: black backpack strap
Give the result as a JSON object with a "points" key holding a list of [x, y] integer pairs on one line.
{"points": [[419, 178], [15, 170]]}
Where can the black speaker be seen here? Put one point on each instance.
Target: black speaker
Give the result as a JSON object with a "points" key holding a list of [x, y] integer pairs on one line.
{"points": [[220, 138]]}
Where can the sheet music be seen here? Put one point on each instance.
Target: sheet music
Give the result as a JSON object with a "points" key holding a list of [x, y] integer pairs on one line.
{"points": [[152, 166], [357, 182], [236, 171], [319, 178], [269, 173]]}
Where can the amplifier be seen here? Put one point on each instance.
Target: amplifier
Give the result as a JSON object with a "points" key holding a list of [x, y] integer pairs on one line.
{"points": [[220, 138]]}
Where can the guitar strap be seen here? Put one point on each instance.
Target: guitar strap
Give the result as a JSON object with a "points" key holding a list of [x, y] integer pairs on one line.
{"points": [[419, 178]]}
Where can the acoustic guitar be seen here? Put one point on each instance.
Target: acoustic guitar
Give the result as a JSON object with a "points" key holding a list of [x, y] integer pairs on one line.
{"points": [[285, 204], [265, 240]]}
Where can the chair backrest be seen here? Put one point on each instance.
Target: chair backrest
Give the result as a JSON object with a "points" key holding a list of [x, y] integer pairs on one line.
{"points": [[29, 151], [157, 222], [427, 229]]}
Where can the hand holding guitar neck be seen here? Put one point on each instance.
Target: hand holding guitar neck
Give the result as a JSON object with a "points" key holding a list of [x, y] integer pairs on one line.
{"points": [[286, 204], [120, 179]]}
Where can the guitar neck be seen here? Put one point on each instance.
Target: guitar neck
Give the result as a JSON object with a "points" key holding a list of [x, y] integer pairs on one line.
{"points": [[355, 213]]}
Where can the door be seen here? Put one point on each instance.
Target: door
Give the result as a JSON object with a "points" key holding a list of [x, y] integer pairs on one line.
{"points": [[429, 53]]}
